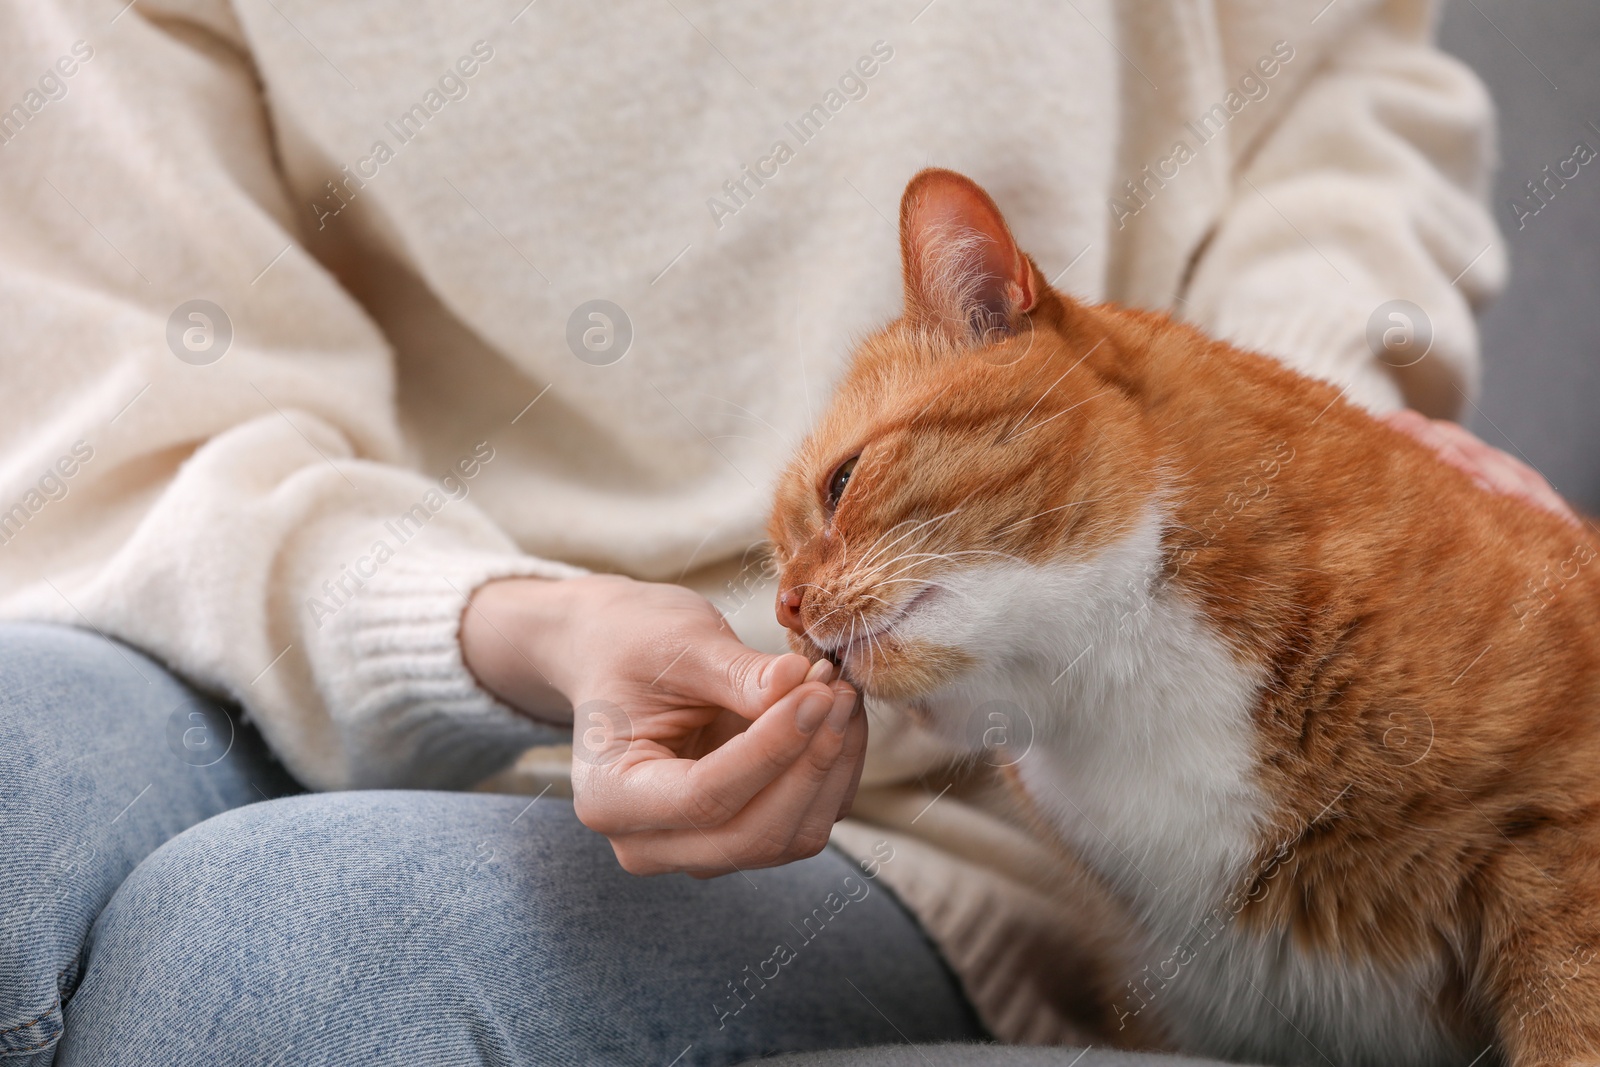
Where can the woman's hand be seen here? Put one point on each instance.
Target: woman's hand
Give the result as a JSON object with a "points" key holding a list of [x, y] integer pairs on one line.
{"points": [[691, 751], [1489, 467]]}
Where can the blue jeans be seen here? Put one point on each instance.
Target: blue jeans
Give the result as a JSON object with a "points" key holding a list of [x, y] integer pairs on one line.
{"points": [[169, 896]]}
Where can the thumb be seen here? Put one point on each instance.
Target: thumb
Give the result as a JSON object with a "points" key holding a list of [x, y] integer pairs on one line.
{"points": [[725, 672]]}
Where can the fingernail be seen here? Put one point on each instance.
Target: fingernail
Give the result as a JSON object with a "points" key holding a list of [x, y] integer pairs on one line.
{"points": [[844, 704], [821, 671], [813, 709], [766, 673]]}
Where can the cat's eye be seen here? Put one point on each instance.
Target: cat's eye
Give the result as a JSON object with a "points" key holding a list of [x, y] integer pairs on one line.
{"points": [[839, 480]]}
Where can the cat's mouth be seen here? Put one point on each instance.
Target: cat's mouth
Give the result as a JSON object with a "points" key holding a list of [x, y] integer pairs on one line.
{"points": [[857, 647], [886, 654]]}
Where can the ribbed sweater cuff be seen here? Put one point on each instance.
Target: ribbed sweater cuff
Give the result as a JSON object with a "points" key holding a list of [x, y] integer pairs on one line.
{"points": [[410, 711]]}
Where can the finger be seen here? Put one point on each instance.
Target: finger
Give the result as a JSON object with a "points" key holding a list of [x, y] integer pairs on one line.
{"points": [[732, 776], [1465, 450], [721, 851], [722, 671], [1504, 473], [1489, 467], [1435, 434], [1553, 502], [672, 852], [816, 825], [791, 818], [763, 832], [671, 794], [821, 671], [812, 823], [1525, 482], [858, 725], [1406, 420], [1444, 450], [1449, 441], [1542, 494]]}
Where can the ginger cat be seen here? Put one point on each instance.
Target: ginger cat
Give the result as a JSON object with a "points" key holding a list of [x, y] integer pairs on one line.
{"points": [[1324, 714]]}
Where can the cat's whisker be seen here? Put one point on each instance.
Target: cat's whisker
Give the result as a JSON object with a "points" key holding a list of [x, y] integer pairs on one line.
{"points": [[911, 581], [763, 547], [915, 563], [864, 573], [844, 549], [887, 533], [1046, 511], [1011, 556], [918, 558], [748, 414], [866, 636], [872, 554], [941, 517], [873, 647], [822, 620], [1012, 436], [751, 418], [980, 552], [929, 582]]}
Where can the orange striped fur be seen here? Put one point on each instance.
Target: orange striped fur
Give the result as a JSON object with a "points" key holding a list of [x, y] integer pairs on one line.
{"points": [[1403, 861]]}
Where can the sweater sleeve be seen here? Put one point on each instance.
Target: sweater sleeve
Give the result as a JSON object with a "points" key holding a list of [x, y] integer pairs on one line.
{"points": [[1369, 188], [202, 455]]}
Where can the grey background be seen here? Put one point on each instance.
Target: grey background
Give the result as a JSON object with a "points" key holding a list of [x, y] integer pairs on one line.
{"points": [[1541, 394]]}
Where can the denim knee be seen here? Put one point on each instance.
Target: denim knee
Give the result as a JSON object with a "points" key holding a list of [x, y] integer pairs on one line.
{"points": [[91, 786], [436, 928], [319, 927]]}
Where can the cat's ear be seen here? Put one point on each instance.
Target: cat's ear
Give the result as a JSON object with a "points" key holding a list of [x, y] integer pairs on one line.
{"points": [[964, 274]]}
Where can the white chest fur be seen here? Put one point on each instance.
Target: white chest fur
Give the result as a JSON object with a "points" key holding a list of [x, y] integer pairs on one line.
{"points": [[1139, 748]]}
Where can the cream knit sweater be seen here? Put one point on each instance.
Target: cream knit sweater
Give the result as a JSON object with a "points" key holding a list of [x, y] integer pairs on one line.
{"points": [[391, 215]]}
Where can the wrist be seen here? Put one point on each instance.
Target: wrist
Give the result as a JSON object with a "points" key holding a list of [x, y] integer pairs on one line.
{"points": [[511, 632]]}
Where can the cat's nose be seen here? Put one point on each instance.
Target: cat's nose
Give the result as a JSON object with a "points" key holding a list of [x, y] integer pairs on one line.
{"points": [[789, 601]]}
